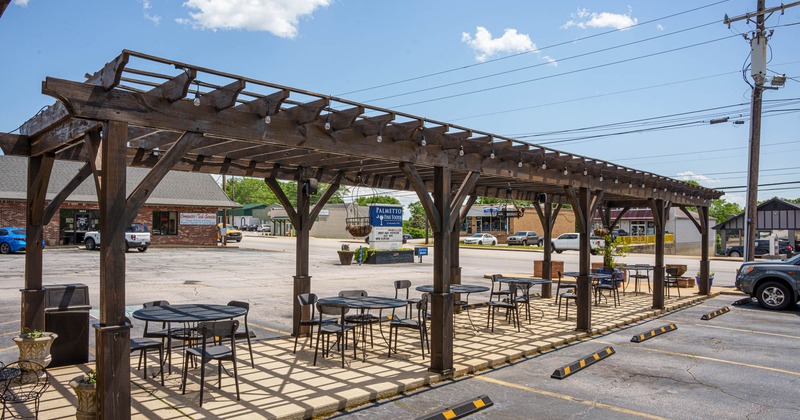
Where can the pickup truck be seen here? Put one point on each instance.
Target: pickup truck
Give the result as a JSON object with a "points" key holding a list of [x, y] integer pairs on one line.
{"points": [[136, 236], [569, 241], [525, 237]]}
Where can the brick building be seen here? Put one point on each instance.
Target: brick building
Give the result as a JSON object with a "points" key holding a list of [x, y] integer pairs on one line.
{"points": [[176, 212]]}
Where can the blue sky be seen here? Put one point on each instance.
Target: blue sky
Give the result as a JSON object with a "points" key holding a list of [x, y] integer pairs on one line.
{"points": [[530, 70]]}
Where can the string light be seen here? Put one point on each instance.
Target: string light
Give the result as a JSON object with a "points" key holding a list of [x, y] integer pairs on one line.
{"points": [[196, 100], [328, 121], [601, 178], [461, 150], [630, 185], [544, 165], [423, 142], [380, 137], [585, 172], [519, 164], [616, 181], [491, 155], [642, 184], [566, 172], [267, 118]]}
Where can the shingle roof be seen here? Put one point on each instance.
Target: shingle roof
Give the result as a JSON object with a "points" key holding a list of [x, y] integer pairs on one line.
{"points": [[176, 189]]}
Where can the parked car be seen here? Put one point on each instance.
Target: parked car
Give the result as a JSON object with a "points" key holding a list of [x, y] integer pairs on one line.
{"points": [[480, 239], [525, 237], [264, 228], [136, 236], [231, 233], [406, 237], [762, 248], [618, 232], [570, 241], [12, 240], [774, 283]]}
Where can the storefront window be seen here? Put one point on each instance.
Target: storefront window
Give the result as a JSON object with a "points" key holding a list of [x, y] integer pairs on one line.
{"points": [[165, 223]]}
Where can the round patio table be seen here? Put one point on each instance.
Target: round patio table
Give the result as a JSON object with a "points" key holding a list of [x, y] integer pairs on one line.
{"points": [[458, 288], [637, 277], [364, 304], [192, 312]]}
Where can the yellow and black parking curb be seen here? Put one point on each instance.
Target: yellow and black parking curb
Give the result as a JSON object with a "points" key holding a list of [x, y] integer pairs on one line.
{"points": [[716, 313], [653, 333], [742, 301], [474, 305], [460, 410], [578, 365]]}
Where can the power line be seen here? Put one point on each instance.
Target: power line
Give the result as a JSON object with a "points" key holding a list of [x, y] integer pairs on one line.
{"points": [[585, 69], [760, 185], [411, 79]]}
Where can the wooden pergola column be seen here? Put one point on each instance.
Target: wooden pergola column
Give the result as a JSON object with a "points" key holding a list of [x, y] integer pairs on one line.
{"points": [[303, 220], [702, 226], [547, 216], [459, 207], [438, 210], [39, 170], [584, 206], [660, 209], [112, 333]]}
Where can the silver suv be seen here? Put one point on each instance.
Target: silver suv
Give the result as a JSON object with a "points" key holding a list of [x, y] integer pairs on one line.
{"points": [[525, 237], [773, 283]]}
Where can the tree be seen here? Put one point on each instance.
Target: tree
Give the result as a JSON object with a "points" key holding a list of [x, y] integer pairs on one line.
{"points": [[723, 210], [377, 199], [256, 191]]}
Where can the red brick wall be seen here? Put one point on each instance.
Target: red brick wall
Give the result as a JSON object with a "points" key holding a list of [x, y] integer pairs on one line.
{"points": [[12, 214]]}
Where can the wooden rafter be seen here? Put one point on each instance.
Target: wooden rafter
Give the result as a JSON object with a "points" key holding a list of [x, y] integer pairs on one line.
{"points": [[224, 97], [176, 87], [108, 77]]}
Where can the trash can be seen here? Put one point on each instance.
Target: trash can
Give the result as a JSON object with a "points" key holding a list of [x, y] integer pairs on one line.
{"points": [[66, 313]]}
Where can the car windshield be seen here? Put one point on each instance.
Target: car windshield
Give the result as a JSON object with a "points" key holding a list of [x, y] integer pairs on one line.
{"points": [[137, 227], [477, 235], [520, 234], [18, 231]]}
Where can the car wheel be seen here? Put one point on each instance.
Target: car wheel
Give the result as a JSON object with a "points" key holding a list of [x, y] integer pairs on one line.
{"points": [[558, 251], [5, 248], [541, 243], [142, 248], [524, 243], [90, 244], [494, 243], [734, 254], [239, 240], [480, 242], [774, 295]]}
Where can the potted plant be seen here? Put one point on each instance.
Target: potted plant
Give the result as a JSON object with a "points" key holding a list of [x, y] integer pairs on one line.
{"points": [[346, 255], [710, 278], [612, 248], [34, 345], [85, 387]]}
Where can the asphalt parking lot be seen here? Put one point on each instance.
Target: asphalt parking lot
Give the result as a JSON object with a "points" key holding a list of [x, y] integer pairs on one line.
{"points": [[742, 364]]}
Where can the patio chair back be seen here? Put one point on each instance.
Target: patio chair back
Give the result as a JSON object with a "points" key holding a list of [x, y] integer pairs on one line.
{"points": [[246, 334], [400, 285], [352, 293]]}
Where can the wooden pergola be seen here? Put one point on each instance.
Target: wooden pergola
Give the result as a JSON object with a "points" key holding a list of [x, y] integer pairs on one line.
{"points": [[145, 111]]}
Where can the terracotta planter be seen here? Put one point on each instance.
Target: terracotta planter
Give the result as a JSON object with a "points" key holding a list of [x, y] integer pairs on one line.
{"points": [[686, 282], [36, 349], [87, 399], [555, 266], [681, 268], [346, 257]]}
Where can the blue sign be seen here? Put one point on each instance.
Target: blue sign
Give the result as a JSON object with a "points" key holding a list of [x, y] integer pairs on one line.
{"points": [[386, 216], [421, 250]]}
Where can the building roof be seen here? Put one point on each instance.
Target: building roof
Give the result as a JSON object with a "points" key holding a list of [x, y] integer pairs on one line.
{"points": [[773, 214], [176, 189]]}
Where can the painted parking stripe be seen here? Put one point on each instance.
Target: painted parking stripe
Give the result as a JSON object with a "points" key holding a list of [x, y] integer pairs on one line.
{"points": [[747, 331], [712, 359], [250, 324], [568, 398], [9, 322]]}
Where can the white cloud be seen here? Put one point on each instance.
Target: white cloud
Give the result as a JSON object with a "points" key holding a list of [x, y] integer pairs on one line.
{"points": [[584, 19], [689, 175], [146, 5], [22, 3], [279, 17], [485, 46], [738, 198], [550, 60], [660, 27]]}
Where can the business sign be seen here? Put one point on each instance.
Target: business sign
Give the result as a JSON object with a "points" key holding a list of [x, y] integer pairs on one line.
{"points": [[490, 210], [205, 219], [386, 216]]}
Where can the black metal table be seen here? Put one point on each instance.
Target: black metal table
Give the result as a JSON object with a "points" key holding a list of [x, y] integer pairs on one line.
{"points": [[193, 312], [638, 267], [466, 289]]}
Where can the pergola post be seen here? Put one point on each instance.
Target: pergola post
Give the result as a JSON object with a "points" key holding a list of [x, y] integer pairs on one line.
{"points": [[705, 287], [113, 333], [441, 299], [32, 308], [660, 210], [547, 216], [459, 207], [584, 207]]}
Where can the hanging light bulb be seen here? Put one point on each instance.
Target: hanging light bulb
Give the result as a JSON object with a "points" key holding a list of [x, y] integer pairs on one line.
{"points": [[328, 122], [544, 165], [642, 184], [423, 142], [616, 181], [491, 155], [585, 172], [655, 189], [461, 150], [630, 185], [380, 136], [196, 100], [566, 172], [665, 189], [684, 193], [519, 164], [601, 178], [267, 119]]}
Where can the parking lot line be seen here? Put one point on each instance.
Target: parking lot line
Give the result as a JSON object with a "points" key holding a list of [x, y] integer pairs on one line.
{"points": [[568, 398], [268, 328], [747, 331], [9, 322], [712, 359]]}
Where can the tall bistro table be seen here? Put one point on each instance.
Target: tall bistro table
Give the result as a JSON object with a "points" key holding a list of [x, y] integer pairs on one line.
{"points": [[188, 313], [364, 304]]}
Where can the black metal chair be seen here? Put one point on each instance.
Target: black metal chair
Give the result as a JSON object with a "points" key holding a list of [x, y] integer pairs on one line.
{"points": [[671, 281], [521, 295], [364, 318], [22, 382], [418, 324], [339, 329], [497, 288], [512, 310], [246, 334], [209, 333], [142, 345], [570, 295], [404, 285], [162, 333], [309, 299], [609, 285]]}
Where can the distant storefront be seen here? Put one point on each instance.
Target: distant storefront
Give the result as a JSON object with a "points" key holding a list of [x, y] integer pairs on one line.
{"points": [[182, 210]]}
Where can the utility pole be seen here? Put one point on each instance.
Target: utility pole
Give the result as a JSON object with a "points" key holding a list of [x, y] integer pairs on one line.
{"points": [[758, 70], [224, 231]]}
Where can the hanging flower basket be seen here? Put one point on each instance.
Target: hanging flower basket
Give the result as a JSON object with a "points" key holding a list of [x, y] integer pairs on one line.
{"points": [[358, 226]]}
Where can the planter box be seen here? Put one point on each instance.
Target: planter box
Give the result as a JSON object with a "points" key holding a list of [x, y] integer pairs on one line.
{"points": [[685, 282], [346, 257], [556, 266], [391, 257]]}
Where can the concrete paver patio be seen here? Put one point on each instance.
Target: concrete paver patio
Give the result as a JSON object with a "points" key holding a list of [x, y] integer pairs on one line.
{"points": [[286, 385]]}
